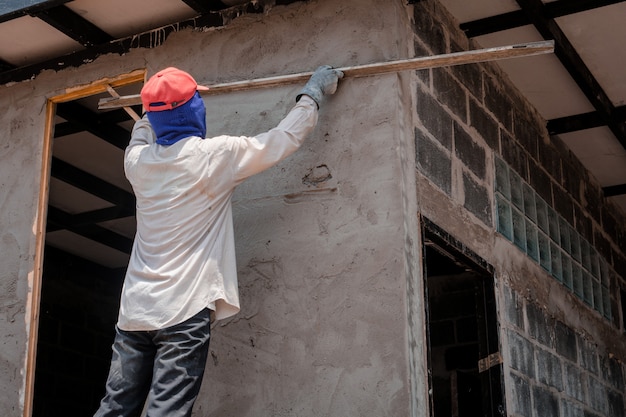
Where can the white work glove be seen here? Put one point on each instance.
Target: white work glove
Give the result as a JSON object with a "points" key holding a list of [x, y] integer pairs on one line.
{"points": [[323, 81]]}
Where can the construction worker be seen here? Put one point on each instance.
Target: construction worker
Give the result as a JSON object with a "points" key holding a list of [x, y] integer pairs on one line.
{"points": [[182, 266]]}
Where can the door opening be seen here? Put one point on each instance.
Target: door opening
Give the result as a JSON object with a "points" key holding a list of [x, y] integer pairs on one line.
{"points": [[465, 370], [88, 237]]}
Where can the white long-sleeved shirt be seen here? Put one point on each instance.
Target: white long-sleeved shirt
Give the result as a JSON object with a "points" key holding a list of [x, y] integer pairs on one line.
{"points": [[183, 256]]}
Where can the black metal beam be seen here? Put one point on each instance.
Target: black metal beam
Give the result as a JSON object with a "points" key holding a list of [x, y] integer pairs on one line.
{"points": [[120, 46], [5, 66], [573, 63], [574, 123], [582, 121], [205, 6], [110, 117], [614, 190], [94, 123], [494, 24], [12, 9], [66, 129], [73, 25], [60, 220], [518, 18], [87, 182], [93, 217]]}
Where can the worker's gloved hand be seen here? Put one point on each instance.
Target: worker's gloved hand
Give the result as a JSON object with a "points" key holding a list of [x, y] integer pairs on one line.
{"points": [[323, 81]]}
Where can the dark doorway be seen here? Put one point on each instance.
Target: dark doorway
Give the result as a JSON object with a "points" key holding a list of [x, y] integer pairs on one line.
{"points": [[463, 345], [89, 232]]}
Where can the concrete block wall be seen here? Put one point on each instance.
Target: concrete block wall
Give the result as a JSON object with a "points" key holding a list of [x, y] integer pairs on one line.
{"points": [[557, 370], [76, 330], [562, 342]]}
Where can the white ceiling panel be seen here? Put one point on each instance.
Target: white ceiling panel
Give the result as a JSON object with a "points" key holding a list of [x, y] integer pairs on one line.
{"points": [[600, 152], [467, 11], [542, 79], [593, 34], [73, 200], [87, 249], [91, 154], [120, 18], [27, 40], [125, 226]]}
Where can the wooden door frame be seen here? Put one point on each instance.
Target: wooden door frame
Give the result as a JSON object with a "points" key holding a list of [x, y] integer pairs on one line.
{"points": [[35, 277]]}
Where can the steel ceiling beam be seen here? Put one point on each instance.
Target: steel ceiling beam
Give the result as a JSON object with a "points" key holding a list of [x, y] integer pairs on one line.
{"points": [[94, 123], [614, 190], [578, 122], [518, 18], [575, 66], [60, 220], [12, 9], [542, 16], [92, 38], [205, 6], [91, 184], [73, 25]]}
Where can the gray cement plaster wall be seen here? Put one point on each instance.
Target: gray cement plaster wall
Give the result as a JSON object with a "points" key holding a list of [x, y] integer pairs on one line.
{"points": [[326, 240]]}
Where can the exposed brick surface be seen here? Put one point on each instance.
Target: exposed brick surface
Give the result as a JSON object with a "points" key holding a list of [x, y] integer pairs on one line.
{"points": [[575, 382], [514, 308], [602, 244], [477, 199], [469, 152], [592, 200], [616, 374], [573, 177], [522, 354], [549, 369], [598, 398], [433, 162], [566, 342], [540, 181], [540, 327], [514, 155], [450, 92], [471, 77], [550, 159], [498, 102], [527, 135], [584, 224], [563, 203], [430, 31], [484, 124], [610, 225], [571, 409], [435, 119], [546, 401], [521, 404], [616, 404]]}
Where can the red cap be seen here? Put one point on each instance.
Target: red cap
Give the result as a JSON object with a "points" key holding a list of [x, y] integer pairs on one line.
{"points": [[168, 89]]}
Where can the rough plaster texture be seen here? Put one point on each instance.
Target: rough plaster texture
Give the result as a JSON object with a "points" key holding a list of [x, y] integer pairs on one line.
{"points": [[20, 122], [325, 245]]}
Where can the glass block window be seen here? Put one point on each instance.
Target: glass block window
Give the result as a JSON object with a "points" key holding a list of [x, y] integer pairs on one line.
{"points": [[531, 224]]}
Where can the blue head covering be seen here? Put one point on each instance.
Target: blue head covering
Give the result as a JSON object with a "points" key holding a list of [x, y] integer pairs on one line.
{"points": [[170, 126]]}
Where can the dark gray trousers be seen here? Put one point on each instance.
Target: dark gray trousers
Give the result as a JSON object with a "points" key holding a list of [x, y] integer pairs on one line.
{"points": [[161, 368]]}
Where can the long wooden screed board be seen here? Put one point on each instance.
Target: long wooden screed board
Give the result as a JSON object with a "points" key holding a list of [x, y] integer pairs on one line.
{"points": [[436, 61]]}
